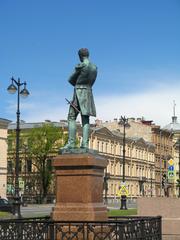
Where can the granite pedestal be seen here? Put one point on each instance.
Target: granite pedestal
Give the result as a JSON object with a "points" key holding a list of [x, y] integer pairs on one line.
{"points": [[168, 208], [79, 187]]}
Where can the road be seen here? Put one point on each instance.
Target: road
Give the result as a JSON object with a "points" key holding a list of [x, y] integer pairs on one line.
{"points": [[36, 210]]}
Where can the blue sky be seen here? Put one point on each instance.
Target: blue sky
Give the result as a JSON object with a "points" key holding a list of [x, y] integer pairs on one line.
{"points": [[134, 43]]}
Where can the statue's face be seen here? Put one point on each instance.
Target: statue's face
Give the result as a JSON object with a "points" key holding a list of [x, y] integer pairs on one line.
{"points": [[82, 57]]}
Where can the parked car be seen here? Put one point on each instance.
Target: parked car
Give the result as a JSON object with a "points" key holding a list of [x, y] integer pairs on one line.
{"points": [[6, 206]]}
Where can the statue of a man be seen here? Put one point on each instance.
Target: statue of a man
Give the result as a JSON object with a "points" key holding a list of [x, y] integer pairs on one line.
{"points": [[82, 79]]}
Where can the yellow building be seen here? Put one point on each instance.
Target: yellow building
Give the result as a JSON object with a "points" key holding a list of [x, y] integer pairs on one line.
{"points": [[139, 162], [161, 138], [3, 156]]}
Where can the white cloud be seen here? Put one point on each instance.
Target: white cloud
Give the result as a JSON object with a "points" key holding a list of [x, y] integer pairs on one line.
{"points": [[43, 112], [155, 104]]}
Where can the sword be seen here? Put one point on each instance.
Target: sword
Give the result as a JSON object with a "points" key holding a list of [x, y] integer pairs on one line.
{"points": [[72, 105]]}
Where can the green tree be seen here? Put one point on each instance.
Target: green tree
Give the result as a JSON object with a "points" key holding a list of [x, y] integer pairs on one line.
{"points": [[43, 143]]}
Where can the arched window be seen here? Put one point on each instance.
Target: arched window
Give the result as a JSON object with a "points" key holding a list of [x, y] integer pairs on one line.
{"points": [[102, 147], [106, 147], [128, 170], [97, 148], [120, 150], [111, 149]]}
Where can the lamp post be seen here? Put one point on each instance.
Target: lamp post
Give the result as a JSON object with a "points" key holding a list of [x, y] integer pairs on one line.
{"points": [[124, 122], [151, 181], [13, 87], [106, 178]]}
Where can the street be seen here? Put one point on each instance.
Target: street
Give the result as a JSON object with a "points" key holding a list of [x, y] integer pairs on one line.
{"points": [[35, 210]]}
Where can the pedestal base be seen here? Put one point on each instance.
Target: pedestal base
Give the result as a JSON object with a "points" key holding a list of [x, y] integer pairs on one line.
{"points": [[80, 212], [79, 188]]}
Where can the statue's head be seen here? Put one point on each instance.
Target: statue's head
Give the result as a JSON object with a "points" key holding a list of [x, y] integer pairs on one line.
{"points": [[83, 53]]}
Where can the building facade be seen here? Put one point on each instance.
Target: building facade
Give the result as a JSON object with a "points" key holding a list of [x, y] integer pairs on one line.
{"points": [[139, 161], [3, 156], [161, 138], [174, 128]]}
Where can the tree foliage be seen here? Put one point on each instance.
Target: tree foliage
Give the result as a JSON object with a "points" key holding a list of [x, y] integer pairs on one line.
{"points": [[43, 143]]}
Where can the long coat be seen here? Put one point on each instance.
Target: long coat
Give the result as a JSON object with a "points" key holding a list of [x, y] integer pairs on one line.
{"points": [[83, 79]]}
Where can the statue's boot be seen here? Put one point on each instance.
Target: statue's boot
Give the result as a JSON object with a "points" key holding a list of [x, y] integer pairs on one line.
{"points": [[86, 132], [71, 135]]}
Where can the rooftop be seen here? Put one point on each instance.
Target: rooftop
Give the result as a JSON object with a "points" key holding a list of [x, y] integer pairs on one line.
{"points": [[25, 125], [174, 126]]}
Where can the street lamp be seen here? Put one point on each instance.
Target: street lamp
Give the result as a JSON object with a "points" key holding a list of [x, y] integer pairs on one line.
{"points": [[124, 122], [13, 87], [151, 169], [106, 178]]}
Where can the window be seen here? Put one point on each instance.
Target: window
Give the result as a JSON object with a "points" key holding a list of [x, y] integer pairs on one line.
{"points": [[137, 172], [112, 169], [142, 154], [111, 149], [97, 146], [9, 167], [120, 169], [120, 150], [102, 147], [128, 152], [114, 149], [106, 148], [140, 172]]}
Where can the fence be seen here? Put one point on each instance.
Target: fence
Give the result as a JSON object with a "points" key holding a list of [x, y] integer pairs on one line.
{"points": [[119, 228]]}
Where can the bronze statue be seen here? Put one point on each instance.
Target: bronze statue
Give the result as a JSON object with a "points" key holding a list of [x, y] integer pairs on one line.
{"points": [[82, 79]]}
